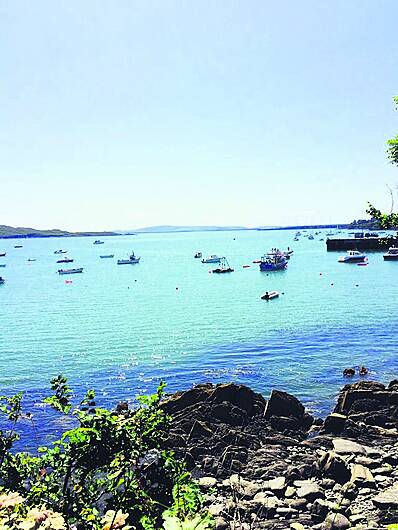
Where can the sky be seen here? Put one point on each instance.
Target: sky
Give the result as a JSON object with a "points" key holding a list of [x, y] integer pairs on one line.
{"points": [[119, 115]]}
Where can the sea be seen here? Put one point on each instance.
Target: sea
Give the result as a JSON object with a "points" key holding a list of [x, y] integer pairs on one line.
{"points": [[121, 329]]}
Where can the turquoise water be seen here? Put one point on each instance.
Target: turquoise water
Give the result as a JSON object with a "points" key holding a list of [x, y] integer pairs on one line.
{"points": [[120, 329]]}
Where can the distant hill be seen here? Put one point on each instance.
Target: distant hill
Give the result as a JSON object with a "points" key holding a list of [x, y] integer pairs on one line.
{"points": [[171, 228], [11, 232]]}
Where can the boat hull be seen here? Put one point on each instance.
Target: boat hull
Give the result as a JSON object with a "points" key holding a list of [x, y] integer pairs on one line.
{"points": [[109, 256], [128, 261], [272, 266], [390, 257], [70, 271]]}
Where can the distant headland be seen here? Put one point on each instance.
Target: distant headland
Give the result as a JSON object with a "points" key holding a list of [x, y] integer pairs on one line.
{"points": [[9, 232]]}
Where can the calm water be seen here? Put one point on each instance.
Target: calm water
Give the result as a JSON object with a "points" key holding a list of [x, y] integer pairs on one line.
{"points": [[120, 329]]}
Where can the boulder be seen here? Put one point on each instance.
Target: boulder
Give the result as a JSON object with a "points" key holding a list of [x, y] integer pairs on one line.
{"points": [[362, 475], [387, 499], [207, 482], [283, 404], [310, 491], [336, 521], [347, 447], [334, 467], [276, 485], [334, 423]]}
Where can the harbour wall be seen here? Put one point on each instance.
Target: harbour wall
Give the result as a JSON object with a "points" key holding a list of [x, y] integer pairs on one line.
{"points": [[363, 243]]}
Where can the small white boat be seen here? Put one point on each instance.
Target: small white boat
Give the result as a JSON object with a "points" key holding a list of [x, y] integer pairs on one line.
{"points": [[98, 242], [107, 256], [198, 255], [130, 261], [269, 295], [392, 254], [352, 256], [70, 271], [3, 254], [212, 259]]}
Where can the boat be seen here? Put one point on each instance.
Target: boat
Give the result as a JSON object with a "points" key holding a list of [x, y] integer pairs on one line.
{"points": [[107, 256], [60, 251], [273, 262], [131, 261], [98, 242], [392, 254], [3, 254], [269, 295], [17, 246], [198, 255], [351, 256], [2, 264], [296, 239], [2, 280], [224, 267], [65, 260], [31, 259], [212, 259], [310, 236], [70, 271]]}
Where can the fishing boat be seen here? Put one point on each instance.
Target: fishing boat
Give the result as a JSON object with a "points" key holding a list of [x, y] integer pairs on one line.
{"points": [[130, 261], [107, 256], [211, 259], [70, 271], [17, 246], [392, 254], [269, 295], [2, 280], [65, 260], [98, 242], [352, 256], [273, 262], [198, 255], [224, 267], [60, 251], [3, 254]]}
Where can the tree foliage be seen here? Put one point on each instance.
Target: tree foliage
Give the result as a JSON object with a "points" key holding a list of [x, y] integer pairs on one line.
{"points": [[387, 221], [109, 472]]}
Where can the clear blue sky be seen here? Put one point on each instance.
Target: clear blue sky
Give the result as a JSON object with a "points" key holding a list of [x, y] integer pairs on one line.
{"points": [[121, 114]]}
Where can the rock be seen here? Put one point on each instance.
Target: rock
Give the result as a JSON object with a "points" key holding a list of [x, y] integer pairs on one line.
{"points": [[344, 447], [290, 492], [216, 509], [276, 485], [334, 467], [297, 526], [283, 404], [336, 521], [321, 507], [349, 372], [334, 423], [298, 504], [200, 429], [362, 475], [220, 523], [207, 482], [311, 491]]}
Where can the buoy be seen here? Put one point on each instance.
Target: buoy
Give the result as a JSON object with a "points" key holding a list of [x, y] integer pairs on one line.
{"points": [[176, 288], [320, 274], [332, 284]]}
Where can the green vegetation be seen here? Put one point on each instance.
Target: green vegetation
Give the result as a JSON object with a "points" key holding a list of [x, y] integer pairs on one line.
{"points": [[109, 472], [389, 220], [11, 231]]}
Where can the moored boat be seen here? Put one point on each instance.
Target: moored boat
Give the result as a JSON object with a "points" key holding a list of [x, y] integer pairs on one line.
{"points": [[70, 271], [98, 242], [352, 256], [3, 254], [269, 295], [31, 259], [212, 259], [2, 264], [60, 251], [273, 262], [17, 246], [107, 256], [224, 267], [2, 280], [198, 255], [392, 254], [130, 261], [65, 260]]}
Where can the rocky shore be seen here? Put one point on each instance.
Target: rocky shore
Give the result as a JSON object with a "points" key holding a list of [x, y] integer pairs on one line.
{"points": [[270, 464]]}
